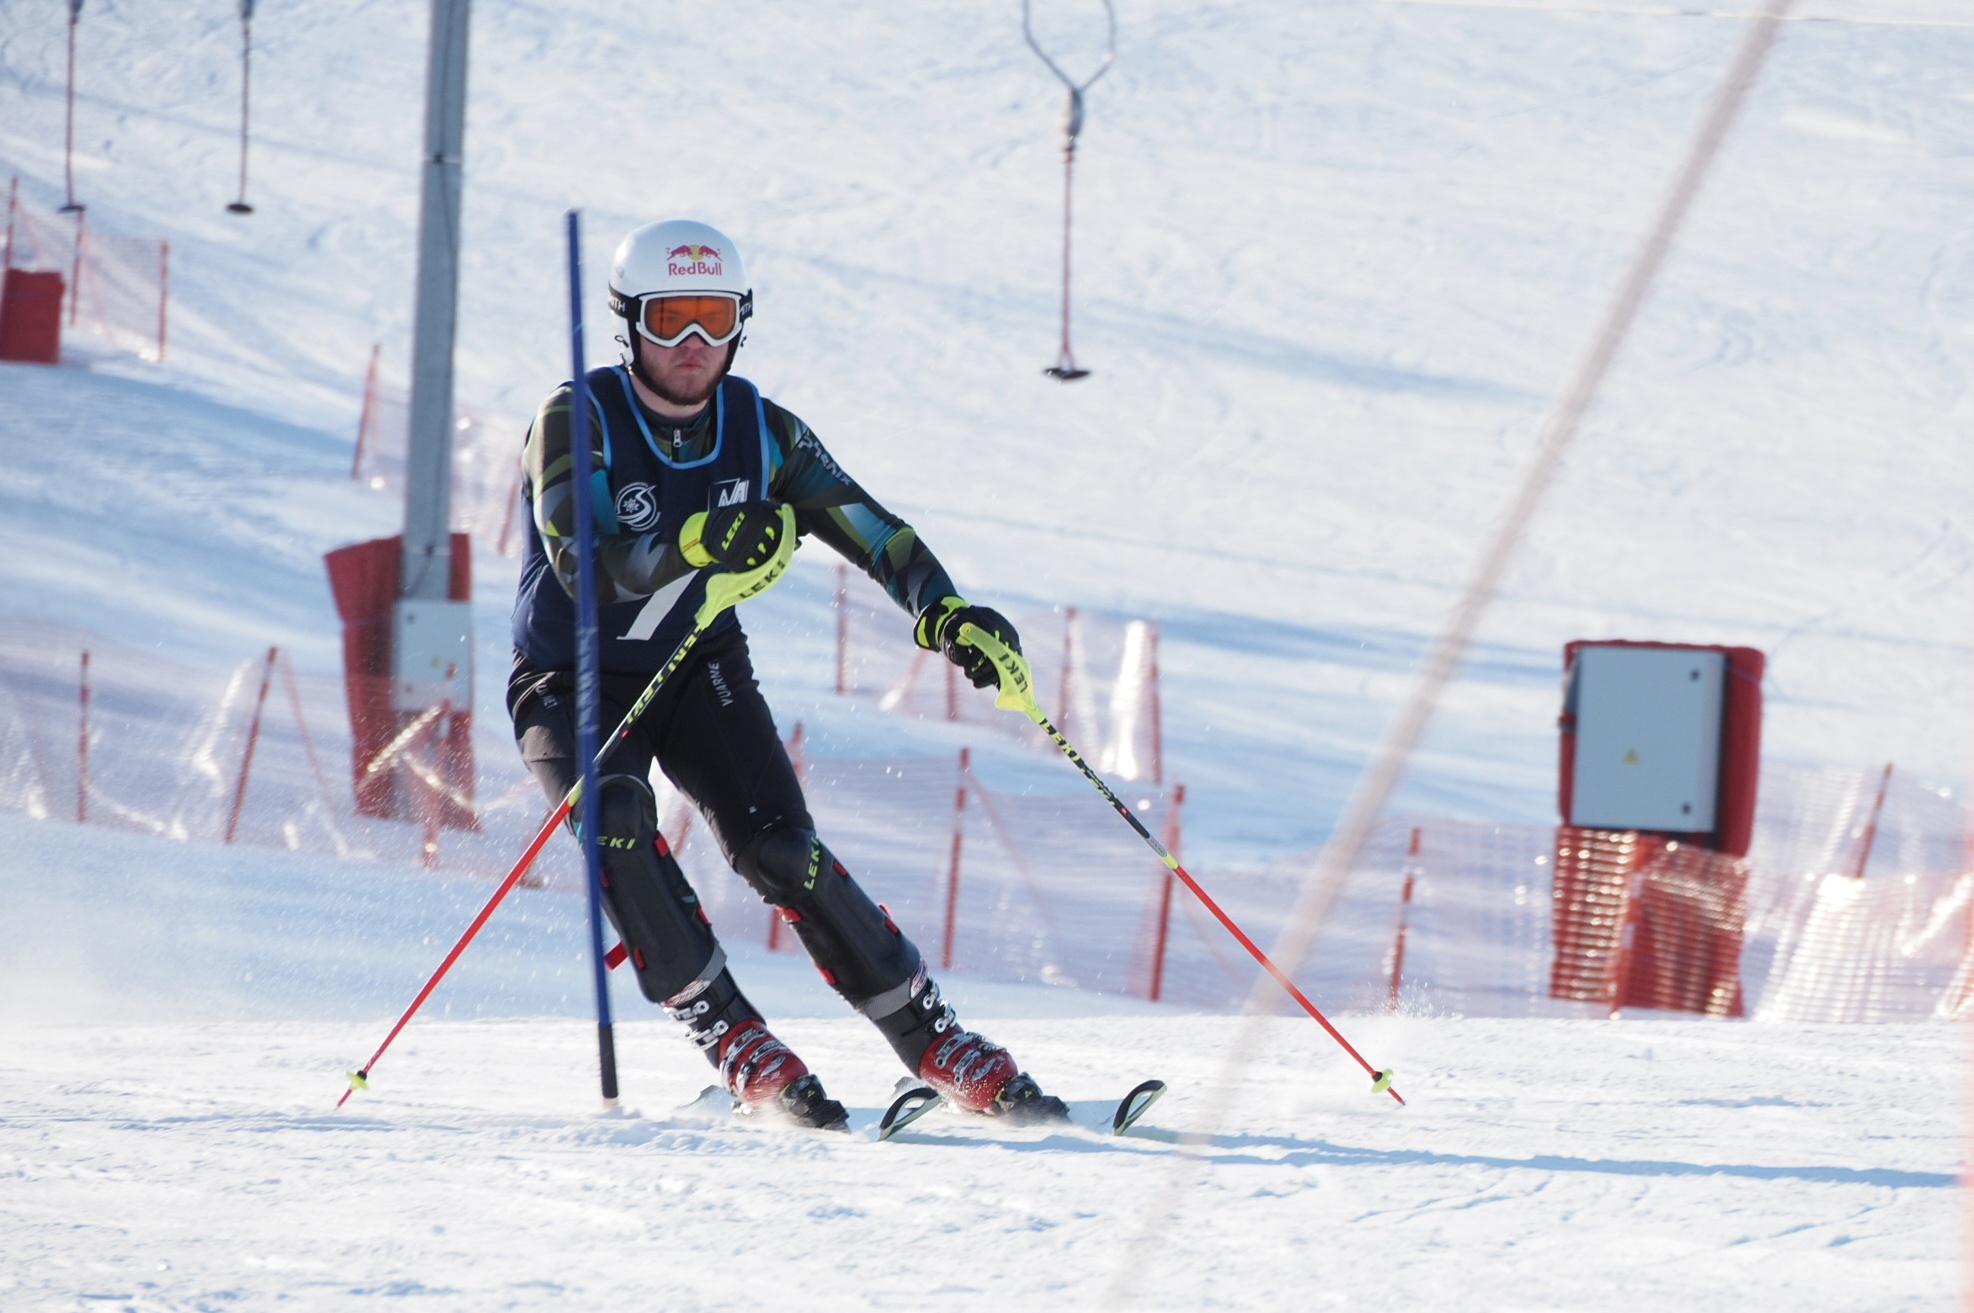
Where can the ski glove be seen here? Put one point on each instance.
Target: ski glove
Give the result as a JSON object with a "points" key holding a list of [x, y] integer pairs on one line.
{"points": [[740, 537], [938, 630]]}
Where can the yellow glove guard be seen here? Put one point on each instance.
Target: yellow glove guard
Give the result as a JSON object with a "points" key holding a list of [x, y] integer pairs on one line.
{"points": [[691, 545], [725, 588], [1017, 683], [926, 632]]}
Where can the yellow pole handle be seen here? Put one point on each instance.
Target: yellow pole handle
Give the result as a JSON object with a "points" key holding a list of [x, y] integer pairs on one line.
{"points": [[726, 588], [1017, 681]]}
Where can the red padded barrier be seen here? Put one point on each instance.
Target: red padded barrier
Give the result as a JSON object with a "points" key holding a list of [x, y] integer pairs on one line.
{"points": [[31, 318], [364, 580]]}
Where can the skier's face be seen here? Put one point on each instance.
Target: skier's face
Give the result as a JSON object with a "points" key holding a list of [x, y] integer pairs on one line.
{"points": [[687, 374]]}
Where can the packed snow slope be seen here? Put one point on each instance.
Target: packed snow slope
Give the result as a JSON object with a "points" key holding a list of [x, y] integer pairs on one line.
{"points": [[200, 1167], [182, 1153], [1334, 259]]}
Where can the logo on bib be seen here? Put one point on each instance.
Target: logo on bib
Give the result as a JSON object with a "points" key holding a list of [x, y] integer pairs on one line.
{"points": [[637, 507], [729, 492]]}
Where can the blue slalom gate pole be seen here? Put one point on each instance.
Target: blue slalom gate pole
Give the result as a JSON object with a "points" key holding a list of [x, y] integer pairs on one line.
{"points": [[588, 695]]}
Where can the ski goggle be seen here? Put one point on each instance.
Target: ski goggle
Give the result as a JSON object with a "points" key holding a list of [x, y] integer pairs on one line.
{"points": [[669, 320]]}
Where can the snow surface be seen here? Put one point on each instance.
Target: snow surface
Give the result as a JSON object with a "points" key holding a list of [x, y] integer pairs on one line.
{"points": [[1333, 260], [1648, 1166], [179, 1150]]}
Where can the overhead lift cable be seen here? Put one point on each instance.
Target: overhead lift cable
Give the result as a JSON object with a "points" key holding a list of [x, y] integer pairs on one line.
{"points": [[240, 206], [1065, 367]]}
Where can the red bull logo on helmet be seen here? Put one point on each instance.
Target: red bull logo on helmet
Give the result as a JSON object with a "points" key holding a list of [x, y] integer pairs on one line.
{"points": [[689, 260]]}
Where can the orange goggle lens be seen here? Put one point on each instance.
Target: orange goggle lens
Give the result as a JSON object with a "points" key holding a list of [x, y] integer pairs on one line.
{"points": [[667, 320]]}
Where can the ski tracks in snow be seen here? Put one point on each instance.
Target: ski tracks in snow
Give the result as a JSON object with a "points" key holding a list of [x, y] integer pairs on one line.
{"points": [[1542, 1164]]}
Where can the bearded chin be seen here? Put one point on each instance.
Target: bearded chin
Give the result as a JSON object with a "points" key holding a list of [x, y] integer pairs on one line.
{"points": [[698, 396]]}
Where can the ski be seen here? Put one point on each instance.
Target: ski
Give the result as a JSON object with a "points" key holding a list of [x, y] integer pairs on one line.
{"points": [[919, 1100], [712, 1102], [907, 1108], [1135, 1104], [715, 1104]]}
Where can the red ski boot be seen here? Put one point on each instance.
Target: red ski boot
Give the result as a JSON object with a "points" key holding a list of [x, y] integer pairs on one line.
{"points": [[972, 1072], [763, 1074]]}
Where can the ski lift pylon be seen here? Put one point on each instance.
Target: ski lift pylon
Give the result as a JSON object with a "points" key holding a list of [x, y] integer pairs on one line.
{"points": [[1065, 367]]}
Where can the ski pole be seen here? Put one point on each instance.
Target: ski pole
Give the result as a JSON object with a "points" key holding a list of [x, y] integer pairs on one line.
{"points": [[723, 591], [1018, 694]]}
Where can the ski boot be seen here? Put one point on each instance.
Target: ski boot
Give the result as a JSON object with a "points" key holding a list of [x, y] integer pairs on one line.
{"points": [[972, 1072], [765, 1077]]}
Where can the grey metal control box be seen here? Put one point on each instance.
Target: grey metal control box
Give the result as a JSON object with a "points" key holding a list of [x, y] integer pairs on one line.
{"points": [[432, 654], [1648, 737]]}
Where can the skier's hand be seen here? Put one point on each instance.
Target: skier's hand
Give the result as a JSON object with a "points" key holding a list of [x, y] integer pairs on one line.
{"points": [[938, 630], [739, 537]]}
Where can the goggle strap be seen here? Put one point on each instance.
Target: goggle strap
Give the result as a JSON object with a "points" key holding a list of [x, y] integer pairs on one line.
{"points": [[632, 307]]}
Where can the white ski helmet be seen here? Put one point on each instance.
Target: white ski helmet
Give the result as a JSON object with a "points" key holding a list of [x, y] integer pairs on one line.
{"points": [[677, 257]]}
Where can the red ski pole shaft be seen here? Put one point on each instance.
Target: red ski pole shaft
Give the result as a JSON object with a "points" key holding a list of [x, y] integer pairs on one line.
{"points": [[1275, 971], [1017, 694], [514, 875]]}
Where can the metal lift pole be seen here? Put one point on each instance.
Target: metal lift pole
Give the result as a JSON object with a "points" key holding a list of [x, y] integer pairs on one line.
{"points": [[431, 635], [427, 483]]}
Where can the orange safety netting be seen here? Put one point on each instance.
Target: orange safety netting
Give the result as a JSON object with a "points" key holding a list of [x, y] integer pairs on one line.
{"points": [[117, 288], [1096, 674], [486, 460], [1439, 915], [1646, 922]]}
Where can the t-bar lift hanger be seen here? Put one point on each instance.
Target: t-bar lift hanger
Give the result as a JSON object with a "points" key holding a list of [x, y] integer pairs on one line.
{"points": [[240, 206], [1065, 367], [71, 205]]}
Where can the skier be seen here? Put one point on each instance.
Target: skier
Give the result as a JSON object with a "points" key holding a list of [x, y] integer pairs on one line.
{"points": [[692, 467]]}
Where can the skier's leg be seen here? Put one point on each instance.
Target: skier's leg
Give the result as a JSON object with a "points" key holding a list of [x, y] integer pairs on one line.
{"points": [[869, 961], [722, 751], [855, 944], [670, 942], [646, 896], [686, 969]]}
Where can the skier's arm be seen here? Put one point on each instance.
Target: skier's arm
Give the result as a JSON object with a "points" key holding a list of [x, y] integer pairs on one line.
{"points": [[829, 504], [628, 565]]}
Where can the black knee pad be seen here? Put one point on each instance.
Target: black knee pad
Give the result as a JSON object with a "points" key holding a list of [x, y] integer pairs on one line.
{"points": [[855, 944], [670, 941]]}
